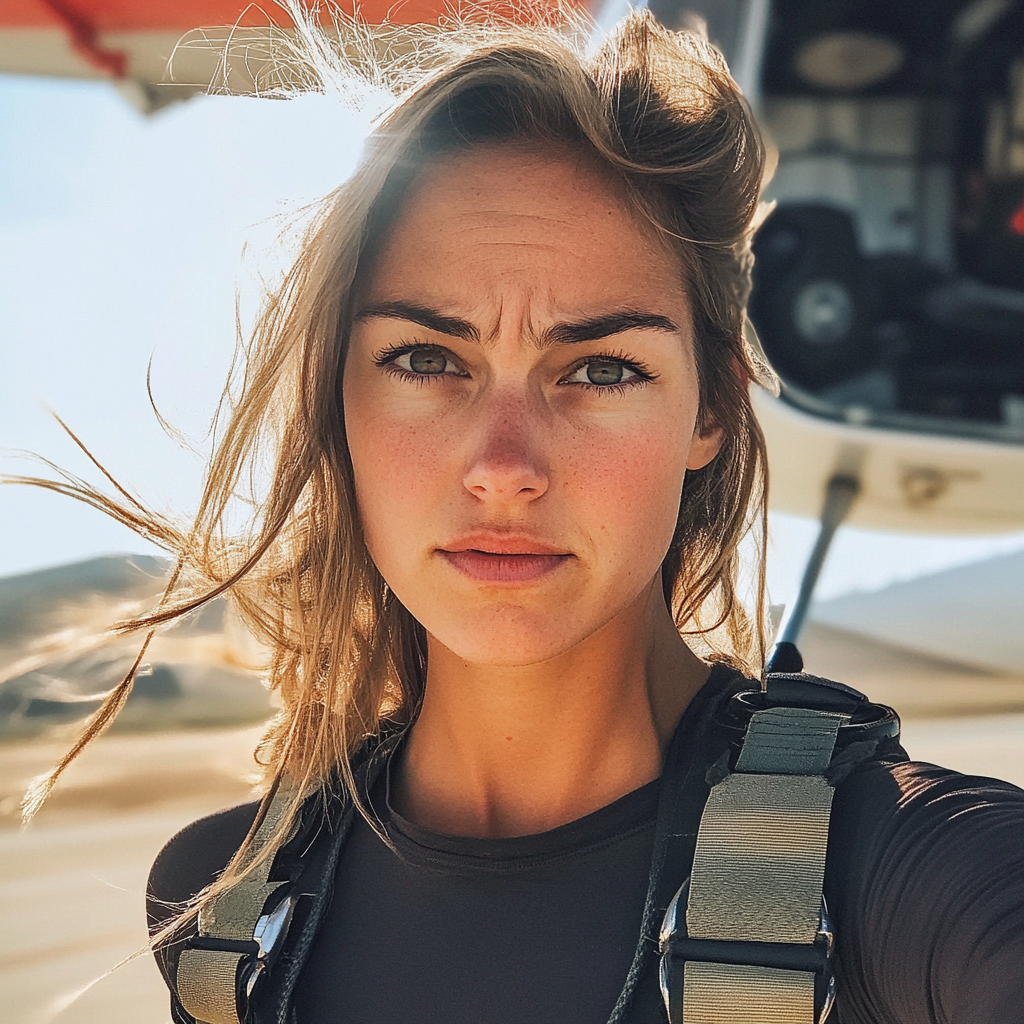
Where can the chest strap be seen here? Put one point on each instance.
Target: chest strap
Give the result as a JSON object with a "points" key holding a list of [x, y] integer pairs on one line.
{"points": [[239, 934], [754, 944]]}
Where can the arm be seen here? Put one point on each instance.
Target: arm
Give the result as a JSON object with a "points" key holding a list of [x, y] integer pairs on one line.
{"points": [[926, 879]]}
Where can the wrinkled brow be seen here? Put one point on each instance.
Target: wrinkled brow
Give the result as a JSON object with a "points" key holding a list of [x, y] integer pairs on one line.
{"points": [[568, 333]]}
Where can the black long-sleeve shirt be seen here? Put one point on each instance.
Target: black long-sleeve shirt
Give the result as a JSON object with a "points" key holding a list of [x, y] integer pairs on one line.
{"points": [[924, 880]]}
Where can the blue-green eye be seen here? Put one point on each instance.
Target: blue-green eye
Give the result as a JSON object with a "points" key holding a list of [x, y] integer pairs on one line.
{"points": [[602, 373], [427, 361]]}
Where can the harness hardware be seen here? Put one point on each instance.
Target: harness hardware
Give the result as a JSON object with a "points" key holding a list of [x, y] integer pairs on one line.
{"points": [[269, 933], [240, 935], [677, 949], [747, 938]]}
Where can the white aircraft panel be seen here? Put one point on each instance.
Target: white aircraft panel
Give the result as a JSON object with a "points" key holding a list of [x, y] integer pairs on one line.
{"points": [[973, 614]]}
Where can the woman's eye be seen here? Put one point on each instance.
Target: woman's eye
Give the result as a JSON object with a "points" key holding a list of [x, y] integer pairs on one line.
{"points": [[427, 362], [602, 372]]}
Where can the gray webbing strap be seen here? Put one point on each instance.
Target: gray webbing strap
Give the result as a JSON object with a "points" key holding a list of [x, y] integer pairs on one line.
{"points": [[717, 993], [207, 979], [207, 984], [758, 869]]}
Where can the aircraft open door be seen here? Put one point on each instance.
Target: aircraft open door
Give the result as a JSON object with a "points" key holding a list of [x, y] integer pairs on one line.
{"points": [[889, 280]]}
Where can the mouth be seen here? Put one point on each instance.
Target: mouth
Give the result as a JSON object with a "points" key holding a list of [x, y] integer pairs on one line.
{"points": [[503, 558]]}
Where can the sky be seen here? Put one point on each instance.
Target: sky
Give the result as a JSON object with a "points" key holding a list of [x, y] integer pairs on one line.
{"points": [[126, 238]]}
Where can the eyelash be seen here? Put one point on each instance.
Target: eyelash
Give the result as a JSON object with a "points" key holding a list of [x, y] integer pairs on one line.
{"points": [[644, 374], [392, 352], [385, 360]]}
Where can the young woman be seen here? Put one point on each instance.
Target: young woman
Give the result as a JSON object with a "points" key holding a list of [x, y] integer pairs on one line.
{"points": [[506, 389]]}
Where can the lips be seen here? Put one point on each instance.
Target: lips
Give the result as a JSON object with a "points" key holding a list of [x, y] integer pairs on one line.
{"points": [[503, 558]]}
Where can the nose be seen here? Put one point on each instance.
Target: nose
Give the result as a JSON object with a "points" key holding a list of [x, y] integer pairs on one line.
{"points": [[507, 465]]}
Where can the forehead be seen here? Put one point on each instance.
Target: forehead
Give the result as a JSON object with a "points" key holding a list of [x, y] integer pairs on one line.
{"points": [[546, 225]]}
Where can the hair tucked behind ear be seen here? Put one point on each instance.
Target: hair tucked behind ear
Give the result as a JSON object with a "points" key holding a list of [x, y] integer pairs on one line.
{"points": [[661, 112]]}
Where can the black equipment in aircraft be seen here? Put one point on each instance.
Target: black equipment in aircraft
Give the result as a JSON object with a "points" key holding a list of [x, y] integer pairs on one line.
{"points": [[890, 277]]}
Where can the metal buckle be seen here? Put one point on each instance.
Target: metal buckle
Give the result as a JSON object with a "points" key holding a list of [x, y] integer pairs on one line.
{"points": [[268, 934], [676, 948]]}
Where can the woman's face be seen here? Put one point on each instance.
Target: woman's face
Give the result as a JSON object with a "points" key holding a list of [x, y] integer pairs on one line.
{"points": [[520, 400]]}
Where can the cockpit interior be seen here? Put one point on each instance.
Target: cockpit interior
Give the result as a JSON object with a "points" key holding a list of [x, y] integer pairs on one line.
{"points": [[889, 279]]}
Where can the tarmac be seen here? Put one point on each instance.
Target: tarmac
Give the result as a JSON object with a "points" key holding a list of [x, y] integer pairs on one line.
{"points": [[72, 884]]}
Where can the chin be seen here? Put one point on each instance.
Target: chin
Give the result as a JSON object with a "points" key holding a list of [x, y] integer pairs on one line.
{"points": [[511, 637]]}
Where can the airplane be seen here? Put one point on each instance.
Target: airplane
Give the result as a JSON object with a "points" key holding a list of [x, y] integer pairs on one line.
{"points": [[889, 279]]}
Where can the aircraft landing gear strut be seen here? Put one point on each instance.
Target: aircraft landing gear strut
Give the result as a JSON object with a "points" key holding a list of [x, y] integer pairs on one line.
{"points": [[840, 494]]}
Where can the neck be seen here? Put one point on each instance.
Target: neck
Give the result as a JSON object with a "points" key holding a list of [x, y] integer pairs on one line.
{"points": [[505, 751]]}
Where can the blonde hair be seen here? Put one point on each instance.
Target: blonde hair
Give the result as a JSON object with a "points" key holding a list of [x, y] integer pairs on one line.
{"points": [[661, 112]]}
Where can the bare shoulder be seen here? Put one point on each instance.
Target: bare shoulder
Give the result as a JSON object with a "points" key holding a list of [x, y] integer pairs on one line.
{"points": [[193, 859]]}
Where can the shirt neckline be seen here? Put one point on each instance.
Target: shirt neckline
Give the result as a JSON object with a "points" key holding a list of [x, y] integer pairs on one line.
{"points": [[628, 814], [635, 811]]}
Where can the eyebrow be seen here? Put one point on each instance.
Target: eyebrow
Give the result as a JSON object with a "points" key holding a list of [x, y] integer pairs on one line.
{"points": [[571, 333], [604, 326], [453, 326]]}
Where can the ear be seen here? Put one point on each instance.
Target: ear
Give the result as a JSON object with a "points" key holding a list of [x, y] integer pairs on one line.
{"points": [[704, 446]]}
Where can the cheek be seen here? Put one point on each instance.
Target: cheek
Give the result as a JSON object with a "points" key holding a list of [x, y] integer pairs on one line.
{"points": [[399, 463], [627, 483]]}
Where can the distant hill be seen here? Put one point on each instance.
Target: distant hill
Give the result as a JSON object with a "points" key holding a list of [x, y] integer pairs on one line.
{"points": [[917, 685], [33, 604], [29, 601], [973, 614], [52, 671]]}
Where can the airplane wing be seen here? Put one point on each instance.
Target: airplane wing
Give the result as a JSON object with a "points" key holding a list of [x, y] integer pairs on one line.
{"points": [[157, 51], [910, 481]]}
